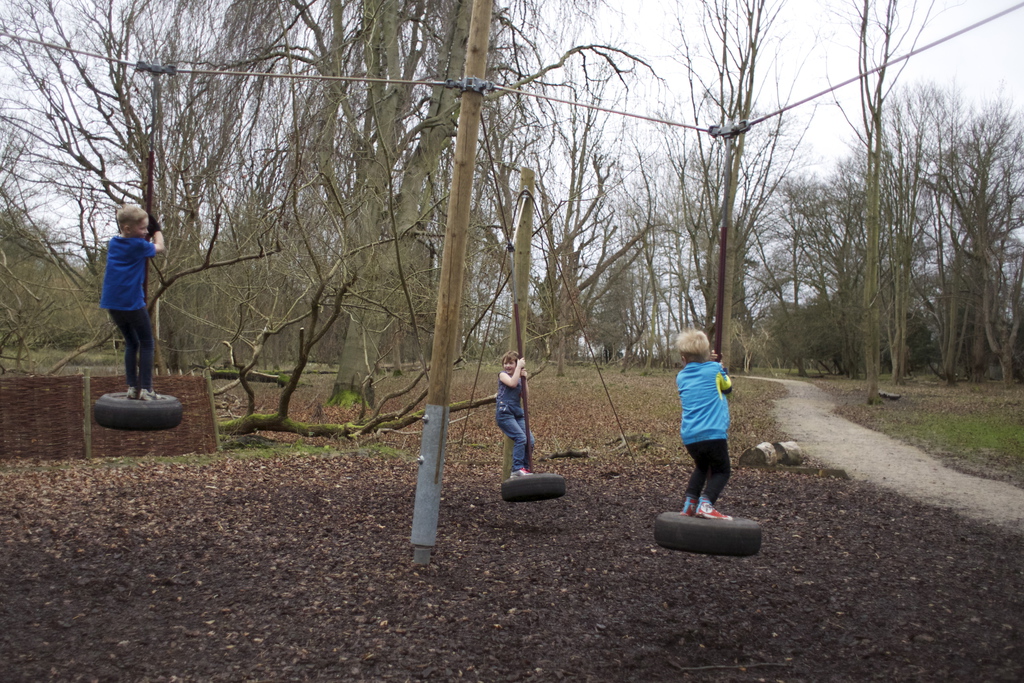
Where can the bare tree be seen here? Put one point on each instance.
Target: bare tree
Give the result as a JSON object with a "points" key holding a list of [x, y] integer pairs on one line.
{"points": [[981, 184], [904, 209], [881, 30], [734, 35]]}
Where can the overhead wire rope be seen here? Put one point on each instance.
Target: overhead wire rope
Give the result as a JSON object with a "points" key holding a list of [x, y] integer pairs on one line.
{"points": [[606, 110], [894, 60], [433, 83], [142, 65]]}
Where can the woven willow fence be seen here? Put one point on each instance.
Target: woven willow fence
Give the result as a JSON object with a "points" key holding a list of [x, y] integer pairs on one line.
{"points": [[50, 418]]}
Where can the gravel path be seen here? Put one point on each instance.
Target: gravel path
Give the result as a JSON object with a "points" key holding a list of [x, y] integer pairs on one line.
{"points": [[806, 414]]}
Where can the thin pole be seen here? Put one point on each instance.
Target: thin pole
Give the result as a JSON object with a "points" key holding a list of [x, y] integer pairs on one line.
{"points": [[150, 184], [213, 407], [449, 295], [723, 246], [87, 425], [521, 241], [151, 160]]}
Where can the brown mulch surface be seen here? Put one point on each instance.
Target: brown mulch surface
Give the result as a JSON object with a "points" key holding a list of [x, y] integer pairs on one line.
{"points": [[300, 567]]}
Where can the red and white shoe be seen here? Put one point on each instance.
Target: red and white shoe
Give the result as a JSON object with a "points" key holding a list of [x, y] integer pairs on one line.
{"points": [[706, 511], [689, 508]]}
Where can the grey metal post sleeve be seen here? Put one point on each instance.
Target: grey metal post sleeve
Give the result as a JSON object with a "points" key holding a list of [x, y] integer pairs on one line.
{"points": [[428, 482]]}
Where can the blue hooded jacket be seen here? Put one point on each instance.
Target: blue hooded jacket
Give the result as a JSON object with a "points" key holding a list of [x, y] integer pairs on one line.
{"points": [[702, 390]]}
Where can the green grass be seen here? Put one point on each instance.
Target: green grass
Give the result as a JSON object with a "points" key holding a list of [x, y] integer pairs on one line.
{"points": [[971, 432], [978, 428]]}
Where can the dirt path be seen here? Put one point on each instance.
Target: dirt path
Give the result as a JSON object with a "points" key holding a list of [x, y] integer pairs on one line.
{"points": [[806, 414]]}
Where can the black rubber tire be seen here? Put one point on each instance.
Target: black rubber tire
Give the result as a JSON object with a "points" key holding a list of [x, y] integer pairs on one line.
{"points": [[738, 536], [533, 487], [117, 411]]}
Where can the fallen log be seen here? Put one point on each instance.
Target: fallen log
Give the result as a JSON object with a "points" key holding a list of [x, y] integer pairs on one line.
{"points": [[279, 380], [788, 453], [570, 453], [761, 455]]}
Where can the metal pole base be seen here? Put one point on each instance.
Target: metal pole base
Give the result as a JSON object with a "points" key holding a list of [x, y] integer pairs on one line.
{"points": [[421, 555], [428, 482]]}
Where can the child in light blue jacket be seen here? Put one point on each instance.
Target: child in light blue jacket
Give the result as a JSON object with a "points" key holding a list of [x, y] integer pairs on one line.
{"points": [[703, 384]]}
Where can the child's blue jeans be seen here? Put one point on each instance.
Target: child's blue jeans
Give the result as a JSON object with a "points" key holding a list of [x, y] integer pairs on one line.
{"points": [[138, 346], [514, 428]]}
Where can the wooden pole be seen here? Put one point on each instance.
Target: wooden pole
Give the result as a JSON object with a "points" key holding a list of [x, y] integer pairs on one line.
{"points": [[213, 407], [522, 235], [521, 266], [723, 249], [87, 425], [449, 299], [158, 358]]}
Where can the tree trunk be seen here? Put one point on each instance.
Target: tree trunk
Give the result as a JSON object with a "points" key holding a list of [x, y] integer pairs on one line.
{"points": [[380, 215]]}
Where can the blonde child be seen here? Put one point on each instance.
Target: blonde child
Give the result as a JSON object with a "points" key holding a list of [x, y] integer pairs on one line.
{"points": [[703, 384], [123, 296]]}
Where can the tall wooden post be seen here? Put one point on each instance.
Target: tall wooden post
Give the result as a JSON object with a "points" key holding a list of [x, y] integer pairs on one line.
{"points": [[522, 234], [449, 299], [87, 403]]}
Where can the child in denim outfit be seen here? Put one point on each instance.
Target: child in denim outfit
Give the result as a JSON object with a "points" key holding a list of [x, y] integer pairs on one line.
{"points": [[509, 412]]}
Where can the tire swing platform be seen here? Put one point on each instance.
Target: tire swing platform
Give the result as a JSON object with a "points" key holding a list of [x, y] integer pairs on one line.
{"points": [[542, 486], [738, 536], [117, 411]]}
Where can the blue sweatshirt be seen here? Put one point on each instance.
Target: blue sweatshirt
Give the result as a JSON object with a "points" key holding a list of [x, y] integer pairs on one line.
{"points": [[125, 273], [702, 389]]}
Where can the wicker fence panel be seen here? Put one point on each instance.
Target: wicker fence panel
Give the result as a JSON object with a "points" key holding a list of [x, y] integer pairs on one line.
{"points": [[43, 418]]}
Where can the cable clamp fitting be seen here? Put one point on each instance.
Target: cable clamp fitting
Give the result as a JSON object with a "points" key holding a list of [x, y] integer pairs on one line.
{"points": [[471, 83], [730, 130], [168, 69]]}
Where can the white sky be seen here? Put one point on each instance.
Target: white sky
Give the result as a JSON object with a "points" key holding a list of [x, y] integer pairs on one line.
{"points": [[816, 49]]}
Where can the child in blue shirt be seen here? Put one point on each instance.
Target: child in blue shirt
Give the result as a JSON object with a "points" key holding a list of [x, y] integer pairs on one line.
{"points": [[703, 384], [123, 296]]}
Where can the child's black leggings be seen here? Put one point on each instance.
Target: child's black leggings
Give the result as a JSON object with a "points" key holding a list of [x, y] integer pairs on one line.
{"points": [[712, 467]]}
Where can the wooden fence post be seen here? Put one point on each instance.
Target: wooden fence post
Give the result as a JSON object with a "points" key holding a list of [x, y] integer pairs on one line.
{"points": [[87, 402], [213, 407]]}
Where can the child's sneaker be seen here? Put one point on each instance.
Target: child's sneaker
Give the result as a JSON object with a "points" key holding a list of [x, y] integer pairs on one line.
{"points": [[133, 392], [689, 508], [521, 473], [706, 511], [149, 395]]}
